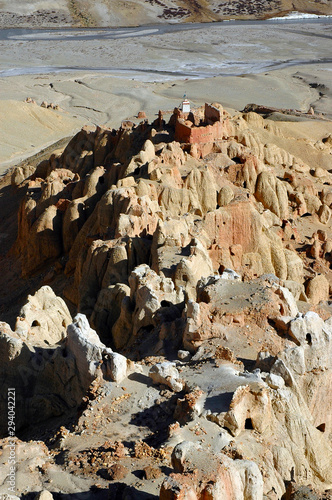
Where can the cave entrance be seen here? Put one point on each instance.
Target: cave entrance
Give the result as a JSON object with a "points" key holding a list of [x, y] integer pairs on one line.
{"points": [[248, 424]]}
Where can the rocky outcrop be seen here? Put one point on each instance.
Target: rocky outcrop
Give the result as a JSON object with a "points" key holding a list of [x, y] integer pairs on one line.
{"points": [[166, 374], [222, 303], [50, 365], [115, 199], [44, 319], [151, 296], [200, 474], [280, 404], [186, 246]]}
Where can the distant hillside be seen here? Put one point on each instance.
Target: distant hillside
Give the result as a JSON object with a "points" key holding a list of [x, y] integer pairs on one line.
{"points": [[115, 13]]}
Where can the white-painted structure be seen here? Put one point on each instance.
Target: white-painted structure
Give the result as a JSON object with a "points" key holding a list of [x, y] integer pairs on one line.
{"points": [[185, 106]]}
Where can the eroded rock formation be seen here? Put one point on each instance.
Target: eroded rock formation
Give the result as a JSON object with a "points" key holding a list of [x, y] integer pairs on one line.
{"points": [[199, 248]]}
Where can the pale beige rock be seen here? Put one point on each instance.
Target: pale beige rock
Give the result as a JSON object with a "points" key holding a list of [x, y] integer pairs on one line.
{"points": [[148, 290], [254, 119], [296, 288], [190, 270], [319, 172], [45, 240], [91, 355], [148, 153], [44, 319], [272, 193], [10, 343], [326, 196], [324, 214], [73, 221], [253, 261], [225, 196], [202, 182], [317, 289], [126, 182], [216, 477], [44, 495], [249, 402], [167, 374], [294, 266], [102, 145], [123, 327], [20, 174], [313, 203]]}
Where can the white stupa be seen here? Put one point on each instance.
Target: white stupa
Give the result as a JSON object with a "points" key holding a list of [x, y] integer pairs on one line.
{"points": [[185, 105]]}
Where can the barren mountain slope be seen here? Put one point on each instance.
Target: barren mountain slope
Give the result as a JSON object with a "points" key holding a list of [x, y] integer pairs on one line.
{"points": [[115, 13]]}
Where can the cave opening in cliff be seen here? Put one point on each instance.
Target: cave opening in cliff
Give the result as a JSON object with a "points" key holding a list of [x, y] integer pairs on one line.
{"points": [[248, 424]]}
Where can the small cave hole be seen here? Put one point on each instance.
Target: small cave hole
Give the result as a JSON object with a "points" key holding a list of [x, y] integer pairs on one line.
{"points": [[237, 160], [165, 303], [248, 424], [35, 323], [147, 328], [282, 310], [101, 180], [308, 339], [321, 427]]}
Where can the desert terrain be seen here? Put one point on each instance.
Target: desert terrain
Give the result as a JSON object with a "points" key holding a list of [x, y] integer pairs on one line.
{"points": [[102, 77], [116, 13], [165, 285]]}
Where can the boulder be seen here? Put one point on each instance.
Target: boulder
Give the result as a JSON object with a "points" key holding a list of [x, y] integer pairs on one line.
{"points": [[317, 289], [167, 374], [307, 329], [272, 193], [10, 344], [191, 269], [201, 474], [44, 319], [324, 214], [91, 355], [20, 174], [44, 495], [225, 196]]}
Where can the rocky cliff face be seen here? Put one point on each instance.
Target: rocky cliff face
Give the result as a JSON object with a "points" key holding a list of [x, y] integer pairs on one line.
{"points": [[198, 248]]}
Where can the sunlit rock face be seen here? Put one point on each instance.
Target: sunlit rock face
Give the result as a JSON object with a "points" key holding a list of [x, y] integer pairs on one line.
{"points": [[194, 257]]}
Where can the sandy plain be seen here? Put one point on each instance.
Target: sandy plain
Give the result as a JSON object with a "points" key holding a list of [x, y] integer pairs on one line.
{"points": [[104, 76]]}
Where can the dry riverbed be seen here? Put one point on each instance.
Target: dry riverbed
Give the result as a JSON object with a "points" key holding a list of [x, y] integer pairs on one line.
{"points": [[104, 76]]}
